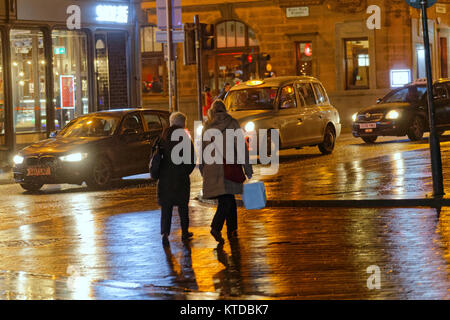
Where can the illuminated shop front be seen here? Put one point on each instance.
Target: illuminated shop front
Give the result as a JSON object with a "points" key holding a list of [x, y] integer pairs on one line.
{"points": [[52, 70]]}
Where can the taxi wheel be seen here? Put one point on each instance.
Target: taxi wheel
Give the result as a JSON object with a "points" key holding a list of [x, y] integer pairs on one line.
{"points": [[101, 174], [32, 186], [370, 139], [329, 140], [415, 131]]}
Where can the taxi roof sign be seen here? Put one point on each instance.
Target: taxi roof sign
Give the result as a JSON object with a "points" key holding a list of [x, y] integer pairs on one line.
{"points": [[254, 82]]}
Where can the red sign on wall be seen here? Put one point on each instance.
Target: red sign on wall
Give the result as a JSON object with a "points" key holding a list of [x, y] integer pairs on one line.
{"points": [[67, 86]]}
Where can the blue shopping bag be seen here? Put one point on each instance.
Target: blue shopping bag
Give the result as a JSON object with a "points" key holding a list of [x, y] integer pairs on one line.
{"points": [[254, 195]]}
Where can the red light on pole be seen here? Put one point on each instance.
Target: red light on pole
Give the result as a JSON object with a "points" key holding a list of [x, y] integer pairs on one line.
{"points": [[308, 51], [250, 58]]}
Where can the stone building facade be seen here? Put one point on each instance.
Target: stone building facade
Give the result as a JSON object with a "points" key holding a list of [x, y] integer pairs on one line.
{"points": [[328, 39]]}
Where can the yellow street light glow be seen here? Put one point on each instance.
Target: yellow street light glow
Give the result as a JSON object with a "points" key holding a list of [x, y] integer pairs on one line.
{"points": [[354, 116], [254, 82]]}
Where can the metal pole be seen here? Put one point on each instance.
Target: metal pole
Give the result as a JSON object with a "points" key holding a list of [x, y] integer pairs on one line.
{"points": [[198, 59], [169, 52], [175, 82], [435, 148]]}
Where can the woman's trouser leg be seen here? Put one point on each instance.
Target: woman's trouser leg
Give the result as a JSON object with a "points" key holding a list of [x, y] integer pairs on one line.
{"points": [[183, 211], [231, 217], [220, 216], [166, 218]]}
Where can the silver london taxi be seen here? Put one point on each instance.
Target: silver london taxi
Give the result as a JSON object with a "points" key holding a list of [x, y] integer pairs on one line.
{"points": [[298, 106]]}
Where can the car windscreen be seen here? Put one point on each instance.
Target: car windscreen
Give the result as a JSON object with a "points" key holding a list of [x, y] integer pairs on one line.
{"points": [[406, 94], [251, 99], [95, 126]]}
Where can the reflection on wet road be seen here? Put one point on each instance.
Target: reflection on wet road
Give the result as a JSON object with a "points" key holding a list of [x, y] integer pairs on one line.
{"points": [[69, 243]]}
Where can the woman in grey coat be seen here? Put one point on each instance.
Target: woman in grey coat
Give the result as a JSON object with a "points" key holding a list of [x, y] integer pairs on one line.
{"points": [[215, 185]]}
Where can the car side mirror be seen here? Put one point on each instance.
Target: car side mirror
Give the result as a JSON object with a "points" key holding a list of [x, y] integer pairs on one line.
{"points": [[53, 134]]}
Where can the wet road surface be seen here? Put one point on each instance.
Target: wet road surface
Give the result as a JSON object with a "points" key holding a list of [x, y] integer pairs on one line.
{"points": [[70, 243]]}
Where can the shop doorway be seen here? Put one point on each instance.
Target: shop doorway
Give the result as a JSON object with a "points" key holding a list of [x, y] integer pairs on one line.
{"points": [[111, 70], [102, 72]]}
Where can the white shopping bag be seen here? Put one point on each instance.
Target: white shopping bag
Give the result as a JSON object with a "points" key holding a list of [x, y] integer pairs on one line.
{"points": [[254, 195]]}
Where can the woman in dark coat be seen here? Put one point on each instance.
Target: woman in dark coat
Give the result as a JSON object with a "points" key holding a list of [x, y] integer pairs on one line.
{"points": [[215, 185], [174, 185]]}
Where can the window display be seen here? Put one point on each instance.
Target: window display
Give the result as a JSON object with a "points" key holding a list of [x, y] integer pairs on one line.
{"points": [[28, 74], [70, 75]]}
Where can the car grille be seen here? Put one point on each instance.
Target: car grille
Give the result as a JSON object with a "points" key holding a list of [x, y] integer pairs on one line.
{"points": [[370, 117], [45, 161]]}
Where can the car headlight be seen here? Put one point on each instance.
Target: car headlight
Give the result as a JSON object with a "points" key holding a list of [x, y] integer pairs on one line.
{"points": [[74, 157], [249, 127], [18, 159], [354, 116], [392, 115]]}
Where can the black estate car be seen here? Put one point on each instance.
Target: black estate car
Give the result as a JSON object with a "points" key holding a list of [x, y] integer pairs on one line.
{"points": [[404, 111], [94, 148]]}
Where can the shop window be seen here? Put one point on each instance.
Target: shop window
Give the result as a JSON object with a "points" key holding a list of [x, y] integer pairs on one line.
{"points": [[28, 80], [230, 34], [70, 74], [304, 55], [357, 62], [153, 65], [2, 98], [148, 40]]}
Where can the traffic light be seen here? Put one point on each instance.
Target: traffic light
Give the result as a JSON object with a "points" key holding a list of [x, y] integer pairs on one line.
{"points": [[207, 36], [252, 63], [189, 44], [262, 61], [244, 58]]}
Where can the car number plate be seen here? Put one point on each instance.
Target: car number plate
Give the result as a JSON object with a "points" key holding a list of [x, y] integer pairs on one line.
{"points": [[36, 171], [367, 125]]}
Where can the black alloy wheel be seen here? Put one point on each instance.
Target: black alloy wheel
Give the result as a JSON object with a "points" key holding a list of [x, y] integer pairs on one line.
{"points": [[416, 130], [329, 140], [101, 174]]}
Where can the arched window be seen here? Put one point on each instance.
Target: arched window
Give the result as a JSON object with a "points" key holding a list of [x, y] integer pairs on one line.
{"points": [[230, 34]]}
